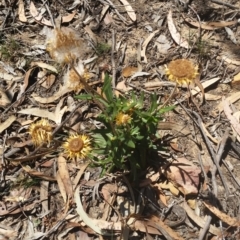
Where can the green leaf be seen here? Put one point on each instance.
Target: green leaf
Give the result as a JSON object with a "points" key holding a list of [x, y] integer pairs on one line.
{"points": [[84, 97], [131, 144], [107, 88]]}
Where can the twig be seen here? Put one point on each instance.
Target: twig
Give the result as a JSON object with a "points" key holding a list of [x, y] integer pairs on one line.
{"points": [[198, 122], [57, 225], [224, 4], [214, 184], [112, 59]]}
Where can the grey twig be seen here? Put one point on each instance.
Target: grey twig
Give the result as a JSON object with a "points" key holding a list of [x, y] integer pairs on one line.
{"points": [[209, 146]]}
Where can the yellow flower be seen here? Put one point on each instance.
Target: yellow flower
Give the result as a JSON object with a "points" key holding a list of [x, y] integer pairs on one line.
{"points": [[41, 132], [181, 71], [122, 119], [77, 146]]}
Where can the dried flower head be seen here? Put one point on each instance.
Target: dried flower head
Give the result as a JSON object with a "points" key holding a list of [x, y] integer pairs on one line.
{"points": [[123, 119], [77, 146], [64, 45], [181, 71], [41, 132], [73, 81]]}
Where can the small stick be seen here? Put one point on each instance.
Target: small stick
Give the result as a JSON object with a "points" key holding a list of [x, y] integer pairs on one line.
{"points": [[198, 122], [112, 59], [224, 4]]}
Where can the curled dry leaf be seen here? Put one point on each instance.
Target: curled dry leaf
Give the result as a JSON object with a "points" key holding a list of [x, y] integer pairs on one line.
{"points": [[4, 100], [44, 65], [129, 71], [40, 19], [7, 123], [21, 12], [55, 116], [64, 175], [145, 44], [184, 175], [198, 220], [166, 230], [174, 33], [38, 174], [98, 225], [234, 222], [210, 25]]}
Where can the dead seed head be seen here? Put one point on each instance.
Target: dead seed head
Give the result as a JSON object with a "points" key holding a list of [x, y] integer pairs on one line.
{"points": [[64, 45], [181, 71], [41, 132], [77, 146]]}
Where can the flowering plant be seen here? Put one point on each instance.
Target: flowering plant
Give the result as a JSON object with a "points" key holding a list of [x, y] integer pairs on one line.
{"points": [[129, 131]]}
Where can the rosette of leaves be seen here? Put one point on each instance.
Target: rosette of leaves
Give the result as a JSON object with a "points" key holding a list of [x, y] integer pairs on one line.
{"points": [[129, 132]]}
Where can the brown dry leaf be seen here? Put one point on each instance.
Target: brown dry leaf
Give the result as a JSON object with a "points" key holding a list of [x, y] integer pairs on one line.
{"points": [[229, 60], [7, 123], [174, 33], [38, 174], [79, 175], [145, 44], [200, 221], [205, 85], [44, 65], [211, 97], [100, 226], [64, 175], [228, 112], [236, 82], [55, 116], [200, 86], [107, 190], [234, 222], [163, 198], [141, 225], [129, 10], [9, 77], [184, 175], [44, 196], [8, 233], [38, 16], [236, 77], [162, 227], [49, 81], [21, 12], [4, 100], [69, 17], [62, 90], [61, 187], [192, 203], [168, 185], [210, 25], [121, 86], [232, 99], [129, 71]]}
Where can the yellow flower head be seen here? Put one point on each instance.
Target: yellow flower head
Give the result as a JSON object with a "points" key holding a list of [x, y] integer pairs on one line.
{"points": [[122, 119], [41, 132], [181, 71], [77, 146]]}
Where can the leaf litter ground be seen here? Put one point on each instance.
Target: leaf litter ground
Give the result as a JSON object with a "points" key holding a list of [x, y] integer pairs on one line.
{"points": [[191, 188]]}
